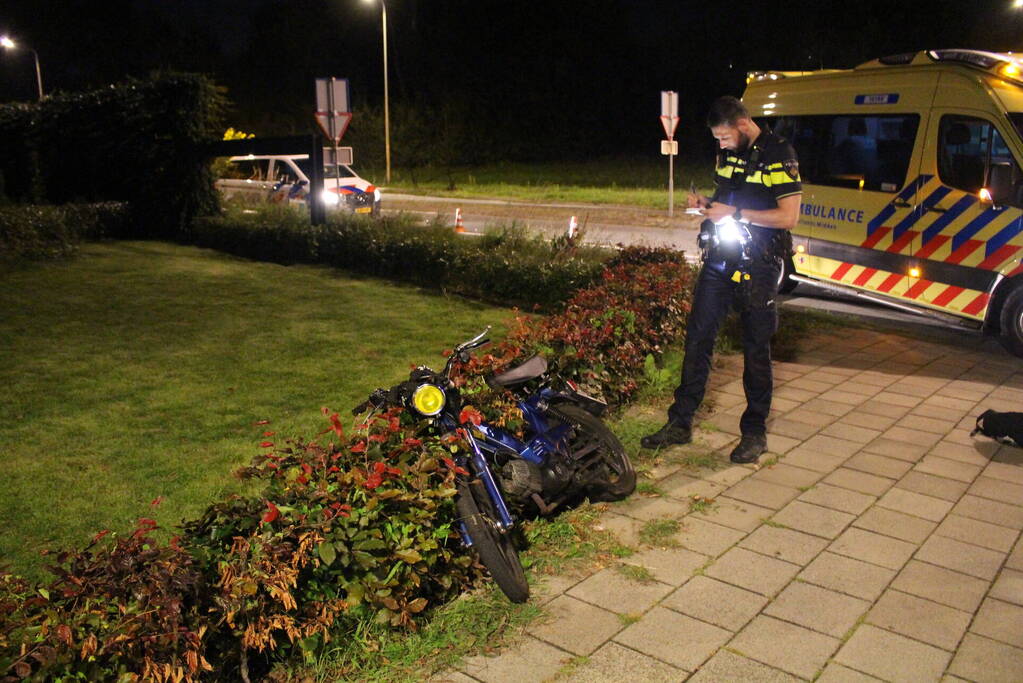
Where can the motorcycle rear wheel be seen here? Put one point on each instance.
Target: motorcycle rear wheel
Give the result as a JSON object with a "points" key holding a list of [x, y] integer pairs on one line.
{"points": [[619, 474], [496, 550]]}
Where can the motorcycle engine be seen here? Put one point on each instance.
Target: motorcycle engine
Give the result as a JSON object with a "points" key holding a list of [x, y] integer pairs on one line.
{"points": [[557, 477], [520, 479]]}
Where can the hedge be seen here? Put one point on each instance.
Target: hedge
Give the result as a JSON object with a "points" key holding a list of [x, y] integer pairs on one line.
{"points": [[505, 266], [141, 141], [355, 527], [41, 232]]}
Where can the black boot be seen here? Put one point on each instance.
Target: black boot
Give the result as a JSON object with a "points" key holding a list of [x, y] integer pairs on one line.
{"points": [[750, 448], [668, 435]]}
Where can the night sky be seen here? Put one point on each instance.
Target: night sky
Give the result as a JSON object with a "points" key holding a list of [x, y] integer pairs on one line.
{"points": [[589, 72]]}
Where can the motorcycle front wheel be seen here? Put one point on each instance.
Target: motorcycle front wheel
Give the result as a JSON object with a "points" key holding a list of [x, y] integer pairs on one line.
{"points": [[609, 471], [496, 550]]}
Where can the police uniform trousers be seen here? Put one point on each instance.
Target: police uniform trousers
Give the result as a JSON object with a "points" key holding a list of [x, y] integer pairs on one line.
{"points": [[715, 293]]}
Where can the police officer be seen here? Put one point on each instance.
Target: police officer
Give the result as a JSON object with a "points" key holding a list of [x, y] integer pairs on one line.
{"points": [[757, 184]]}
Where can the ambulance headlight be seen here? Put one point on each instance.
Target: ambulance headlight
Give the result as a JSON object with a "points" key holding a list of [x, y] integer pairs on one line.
{"points": [[330, 198]]}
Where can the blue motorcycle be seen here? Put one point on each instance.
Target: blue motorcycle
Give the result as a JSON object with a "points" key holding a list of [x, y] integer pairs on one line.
{"points": [[565, 454]]}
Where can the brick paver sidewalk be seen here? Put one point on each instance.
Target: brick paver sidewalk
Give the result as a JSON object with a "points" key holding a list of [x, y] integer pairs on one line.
{"points": [[883, 544]]}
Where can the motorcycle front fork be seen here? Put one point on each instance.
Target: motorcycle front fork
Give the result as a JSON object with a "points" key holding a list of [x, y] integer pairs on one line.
{"points": [[481, 469]]}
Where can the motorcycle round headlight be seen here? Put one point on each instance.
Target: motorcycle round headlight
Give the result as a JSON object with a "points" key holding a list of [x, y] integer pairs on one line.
{"points": [[428, 399]]}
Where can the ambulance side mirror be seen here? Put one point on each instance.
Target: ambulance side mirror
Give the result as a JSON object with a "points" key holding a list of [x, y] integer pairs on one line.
{"points": [[1000, 186]]}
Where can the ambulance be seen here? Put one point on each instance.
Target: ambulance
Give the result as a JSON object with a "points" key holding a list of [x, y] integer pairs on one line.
{"points": [[912, 188]]}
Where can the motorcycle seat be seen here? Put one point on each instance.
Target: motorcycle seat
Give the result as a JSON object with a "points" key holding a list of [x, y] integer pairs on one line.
{"points": [[531, 369]]}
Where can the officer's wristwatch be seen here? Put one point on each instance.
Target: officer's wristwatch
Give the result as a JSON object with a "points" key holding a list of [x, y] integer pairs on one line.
{"points": [[737, 216]]}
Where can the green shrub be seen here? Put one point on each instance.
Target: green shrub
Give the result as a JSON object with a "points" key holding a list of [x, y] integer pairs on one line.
{"points": [[506, 266], [39, 232]]}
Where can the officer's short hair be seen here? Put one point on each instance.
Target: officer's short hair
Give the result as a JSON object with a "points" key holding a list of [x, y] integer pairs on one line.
{"points": [[726, 110]]}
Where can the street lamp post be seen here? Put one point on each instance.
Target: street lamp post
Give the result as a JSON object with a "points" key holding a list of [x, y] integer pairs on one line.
{"points": [[9, 44], [387, 113]]}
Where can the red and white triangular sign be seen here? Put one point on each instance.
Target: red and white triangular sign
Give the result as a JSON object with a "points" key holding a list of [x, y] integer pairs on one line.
{"points": [[670, 123], [333, 123]]}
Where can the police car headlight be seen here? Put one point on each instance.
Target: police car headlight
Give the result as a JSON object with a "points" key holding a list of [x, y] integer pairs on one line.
{"points": [[376, 195], [728, 230], [428, 399], [330, 198]]}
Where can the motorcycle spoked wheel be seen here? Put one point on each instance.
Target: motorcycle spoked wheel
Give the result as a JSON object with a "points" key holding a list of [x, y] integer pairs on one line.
{"points": [[496, 550], [590, 433]]}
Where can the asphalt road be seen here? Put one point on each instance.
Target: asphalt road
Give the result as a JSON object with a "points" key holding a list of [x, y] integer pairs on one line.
{"points": [[612, 225], [606, 225]]}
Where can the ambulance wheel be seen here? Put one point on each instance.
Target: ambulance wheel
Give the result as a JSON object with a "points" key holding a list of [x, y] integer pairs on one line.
{"points": [[785, 283], [1011, 322]]}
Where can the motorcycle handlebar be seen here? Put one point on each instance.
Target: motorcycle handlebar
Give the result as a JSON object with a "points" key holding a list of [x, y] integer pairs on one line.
{"points": [[381, 396], [475, 342], [375, 400], [459, 351]]}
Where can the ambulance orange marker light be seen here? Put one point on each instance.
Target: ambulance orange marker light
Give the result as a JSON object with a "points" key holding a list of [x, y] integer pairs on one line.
{"points": [[800, 248], [984, 194], [914, 272]]}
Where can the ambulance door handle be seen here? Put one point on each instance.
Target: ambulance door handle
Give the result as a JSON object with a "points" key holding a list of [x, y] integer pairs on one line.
{"points": [[936, 209], [901, 204]]}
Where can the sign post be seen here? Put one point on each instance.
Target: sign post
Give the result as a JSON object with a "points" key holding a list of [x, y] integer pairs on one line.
{"points": [[332, 110], [669, 147]]}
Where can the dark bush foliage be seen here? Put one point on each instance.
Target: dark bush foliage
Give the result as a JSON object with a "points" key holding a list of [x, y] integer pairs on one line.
{"points": [[506, 267], [138, 141], [39, 232]]}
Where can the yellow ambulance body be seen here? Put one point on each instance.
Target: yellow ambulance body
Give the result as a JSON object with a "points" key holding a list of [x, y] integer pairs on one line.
{"points": [[912, 188]]}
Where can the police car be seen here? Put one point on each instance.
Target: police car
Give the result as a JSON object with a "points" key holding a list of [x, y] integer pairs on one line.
{"points": [[284, 179], [912, 181]]}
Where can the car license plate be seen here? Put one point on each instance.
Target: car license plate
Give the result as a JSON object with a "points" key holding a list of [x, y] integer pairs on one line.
{"points": [[364, 209]]}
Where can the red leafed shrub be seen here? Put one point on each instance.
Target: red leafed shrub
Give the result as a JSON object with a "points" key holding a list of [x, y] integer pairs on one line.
{"points": [[604, 334], [343, 532], [127, 607]]}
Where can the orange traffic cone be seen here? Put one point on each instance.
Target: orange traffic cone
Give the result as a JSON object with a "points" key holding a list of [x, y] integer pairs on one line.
{"points": [[459, 226]]}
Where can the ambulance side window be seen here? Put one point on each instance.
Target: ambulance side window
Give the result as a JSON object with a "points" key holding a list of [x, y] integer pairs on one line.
{"points": [[866, 152], [972, 154]]}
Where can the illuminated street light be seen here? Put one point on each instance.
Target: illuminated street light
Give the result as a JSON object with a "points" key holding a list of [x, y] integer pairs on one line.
{"points": [[387, 113], [7, 43]]}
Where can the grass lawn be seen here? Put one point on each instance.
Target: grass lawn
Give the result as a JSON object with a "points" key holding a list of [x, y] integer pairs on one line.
{"points": [[636, 182], [140, 370]]}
